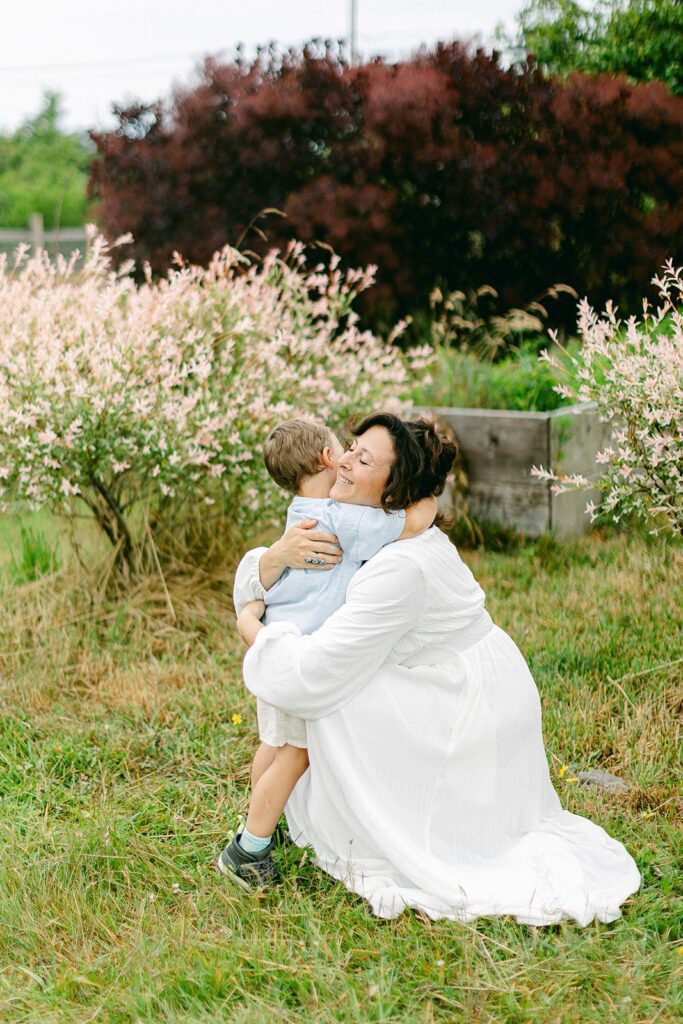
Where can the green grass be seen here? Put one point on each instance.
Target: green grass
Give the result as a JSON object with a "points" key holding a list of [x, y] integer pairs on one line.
{"points": [[38, 556], [122, 770], [461, 379], [33, 544]]}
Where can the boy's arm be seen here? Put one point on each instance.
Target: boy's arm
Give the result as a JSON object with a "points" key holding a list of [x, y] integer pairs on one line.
{"points": [[419, 517]]}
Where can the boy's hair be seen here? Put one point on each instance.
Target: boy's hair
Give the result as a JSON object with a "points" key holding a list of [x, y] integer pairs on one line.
{"points": [[293, 450]]}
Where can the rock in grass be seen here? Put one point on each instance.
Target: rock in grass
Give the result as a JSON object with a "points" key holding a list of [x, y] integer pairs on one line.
{"points": [[602, 780]]}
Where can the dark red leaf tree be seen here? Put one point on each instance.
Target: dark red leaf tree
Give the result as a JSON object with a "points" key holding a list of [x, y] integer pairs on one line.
{"points": [[446, 168]]}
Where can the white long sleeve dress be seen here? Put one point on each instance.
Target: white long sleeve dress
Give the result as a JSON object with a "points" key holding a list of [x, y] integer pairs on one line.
{"points": [[429, 786]]}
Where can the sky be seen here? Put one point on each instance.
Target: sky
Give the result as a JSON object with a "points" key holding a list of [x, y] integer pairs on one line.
{"points": [[96, 52]]}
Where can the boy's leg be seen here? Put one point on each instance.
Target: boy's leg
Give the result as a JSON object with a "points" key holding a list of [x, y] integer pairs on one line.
{"points": [[274, 788], [247, 859], [263, 758]]}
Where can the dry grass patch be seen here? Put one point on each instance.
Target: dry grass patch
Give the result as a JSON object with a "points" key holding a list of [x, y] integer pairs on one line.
{"points": [[123, 768]]}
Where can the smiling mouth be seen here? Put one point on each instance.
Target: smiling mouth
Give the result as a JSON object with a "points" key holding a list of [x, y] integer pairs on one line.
{"points": [[341, 479]]}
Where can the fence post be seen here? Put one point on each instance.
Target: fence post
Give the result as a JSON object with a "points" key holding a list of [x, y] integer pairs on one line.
{"points": [[37, 229]]}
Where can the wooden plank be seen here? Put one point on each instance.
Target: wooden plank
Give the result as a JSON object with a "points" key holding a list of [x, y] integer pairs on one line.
{"points": [[499, 446], [524, 507]]}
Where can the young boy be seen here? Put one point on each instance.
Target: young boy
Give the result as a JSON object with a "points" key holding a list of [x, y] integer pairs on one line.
{"points": [[302, 458]]}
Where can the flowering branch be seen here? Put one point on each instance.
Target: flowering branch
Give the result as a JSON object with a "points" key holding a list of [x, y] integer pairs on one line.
{"points": [[633, 371]]}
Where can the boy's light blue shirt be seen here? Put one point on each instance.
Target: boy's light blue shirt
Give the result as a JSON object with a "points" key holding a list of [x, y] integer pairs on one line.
{"points": [[307, 597]]}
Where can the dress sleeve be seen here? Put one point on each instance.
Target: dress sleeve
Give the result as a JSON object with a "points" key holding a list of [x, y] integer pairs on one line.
{"points": [[248, 586], [363, 530], [312, 676]]}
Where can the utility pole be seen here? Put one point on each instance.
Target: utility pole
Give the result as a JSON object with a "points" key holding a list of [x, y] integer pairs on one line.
{"points": [[352, 31]]}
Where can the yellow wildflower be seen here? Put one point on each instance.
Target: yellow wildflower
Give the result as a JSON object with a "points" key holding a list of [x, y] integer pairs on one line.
{"points": [[236, 719], [563, 771]]}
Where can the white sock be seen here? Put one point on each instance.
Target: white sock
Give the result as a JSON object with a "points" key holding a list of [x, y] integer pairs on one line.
{"points": [[253, 844]]}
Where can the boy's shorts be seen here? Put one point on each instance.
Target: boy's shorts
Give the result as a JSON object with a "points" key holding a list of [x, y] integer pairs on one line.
{"points": [[276, 727]]}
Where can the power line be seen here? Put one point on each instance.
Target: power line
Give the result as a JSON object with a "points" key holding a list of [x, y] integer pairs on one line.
{"points": [[394, 38], [112, 62]]}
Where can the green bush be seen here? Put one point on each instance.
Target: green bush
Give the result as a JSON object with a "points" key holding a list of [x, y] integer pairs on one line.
{"points": [[639, 38], [460, 379]]}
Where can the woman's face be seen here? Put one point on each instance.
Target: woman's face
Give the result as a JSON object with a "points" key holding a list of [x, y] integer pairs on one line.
{"points": [[364, 469]]}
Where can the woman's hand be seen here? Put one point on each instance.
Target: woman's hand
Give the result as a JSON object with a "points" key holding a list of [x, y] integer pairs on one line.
{"points": [[249, 621], [296, 548]]}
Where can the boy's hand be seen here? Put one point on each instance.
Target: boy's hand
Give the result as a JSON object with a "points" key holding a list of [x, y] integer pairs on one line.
{"points": [[249, 621], [419, 517]]}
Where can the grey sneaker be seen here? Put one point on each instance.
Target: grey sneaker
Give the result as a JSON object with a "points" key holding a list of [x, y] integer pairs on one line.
{"points": [[249, 870]]}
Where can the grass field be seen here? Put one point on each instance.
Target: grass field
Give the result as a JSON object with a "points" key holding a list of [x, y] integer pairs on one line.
{"points": [[125, 747]]}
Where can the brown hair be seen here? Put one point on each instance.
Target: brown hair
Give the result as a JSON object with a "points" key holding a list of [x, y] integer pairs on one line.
{"points": [[424, 458], [293, 451]]}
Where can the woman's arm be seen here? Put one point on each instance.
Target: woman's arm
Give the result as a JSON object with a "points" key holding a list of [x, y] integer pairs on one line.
{"points": [[311, 676], [260, 568], [248, 586]]}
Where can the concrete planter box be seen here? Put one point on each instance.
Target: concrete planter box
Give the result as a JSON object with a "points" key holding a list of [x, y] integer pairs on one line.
{"points": [[500, 447]]}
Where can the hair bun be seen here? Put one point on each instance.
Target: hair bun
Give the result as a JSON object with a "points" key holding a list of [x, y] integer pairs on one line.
{"points": [[438, 451]]}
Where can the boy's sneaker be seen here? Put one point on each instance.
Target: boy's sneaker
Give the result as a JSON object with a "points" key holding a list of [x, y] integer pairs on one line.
{"points": [[249, 870]]}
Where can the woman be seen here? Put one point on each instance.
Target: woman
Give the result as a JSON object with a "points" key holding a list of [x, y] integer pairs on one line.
{"points": [[429, 786]]}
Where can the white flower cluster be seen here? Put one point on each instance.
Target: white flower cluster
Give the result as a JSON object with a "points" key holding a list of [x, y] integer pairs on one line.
{"points": [[633, 370], [114, 393]]}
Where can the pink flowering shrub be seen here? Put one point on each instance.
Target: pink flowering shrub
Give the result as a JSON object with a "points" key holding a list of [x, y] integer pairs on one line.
{"points": [[634, 372], [129, 401]]}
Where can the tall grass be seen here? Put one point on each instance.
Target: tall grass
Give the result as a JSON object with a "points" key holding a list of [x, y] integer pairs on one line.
{"points": [[122, 770], [38, 556], [461, 379]]}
